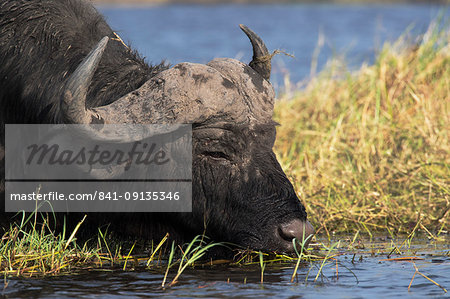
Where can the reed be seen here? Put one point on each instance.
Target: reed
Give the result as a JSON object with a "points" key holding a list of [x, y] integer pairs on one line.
{"points": [[369, 150]]}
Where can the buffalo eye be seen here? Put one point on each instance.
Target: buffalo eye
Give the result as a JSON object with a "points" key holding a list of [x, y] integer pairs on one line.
{"points": [[216, 155]]}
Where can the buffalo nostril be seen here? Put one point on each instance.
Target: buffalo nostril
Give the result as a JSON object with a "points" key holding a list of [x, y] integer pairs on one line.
{"points": [[301, 230]]}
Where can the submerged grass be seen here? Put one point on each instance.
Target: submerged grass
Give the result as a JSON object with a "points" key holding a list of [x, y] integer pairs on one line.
{"points": [[369, 150]]}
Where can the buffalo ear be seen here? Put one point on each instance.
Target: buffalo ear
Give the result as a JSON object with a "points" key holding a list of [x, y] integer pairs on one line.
{"points": [[261, 57], [73, 104]]}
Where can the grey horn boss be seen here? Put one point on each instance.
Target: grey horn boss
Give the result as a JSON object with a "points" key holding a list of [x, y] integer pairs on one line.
{"points": [[76, 72], [73, 103]]}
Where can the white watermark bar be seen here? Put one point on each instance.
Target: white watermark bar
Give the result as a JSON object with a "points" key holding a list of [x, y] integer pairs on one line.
{"points": [[98, 168], [99, 196]]}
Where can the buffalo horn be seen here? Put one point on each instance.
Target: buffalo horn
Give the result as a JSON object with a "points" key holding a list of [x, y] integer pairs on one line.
{"points": [[73, 104], [73, 107], [261, 57]]}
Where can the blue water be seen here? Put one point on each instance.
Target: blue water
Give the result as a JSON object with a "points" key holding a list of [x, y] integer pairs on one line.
{"points": [[198, 33]]}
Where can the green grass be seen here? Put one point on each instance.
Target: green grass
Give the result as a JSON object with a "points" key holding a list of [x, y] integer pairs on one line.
{"points": [[31, 248], [369, 150]]}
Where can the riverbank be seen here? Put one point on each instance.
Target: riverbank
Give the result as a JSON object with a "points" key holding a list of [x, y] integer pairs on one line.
{"points": [[369, 150]]}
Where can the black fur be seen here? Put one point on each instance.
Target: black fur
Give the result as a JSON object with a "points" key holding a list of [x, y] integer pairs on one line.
{"points": [[41, 44]]}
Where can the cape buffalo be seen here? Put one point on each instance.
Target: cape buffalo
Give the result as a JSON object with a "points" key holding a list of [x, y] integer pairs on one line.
{"points": [[60, 62]]}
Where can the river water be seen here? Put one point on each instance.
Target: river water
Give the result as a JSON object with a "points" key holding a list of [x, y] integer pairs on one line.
{"points": [[199, 33]]}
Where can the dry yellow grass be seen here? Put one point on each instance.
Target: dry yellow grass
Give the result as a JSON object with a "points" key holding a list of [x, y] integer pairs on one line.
{"points": [[369, 150]]}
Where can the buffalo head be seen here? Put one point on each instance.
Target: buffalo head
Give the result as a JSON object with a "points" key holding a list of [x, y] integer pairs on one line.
{"points": [[240, 193]]}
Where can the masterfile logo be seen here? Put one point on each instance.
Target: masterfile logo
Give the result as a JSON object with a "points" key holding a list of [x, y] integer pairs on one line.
{"points": [[111, 168]]}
